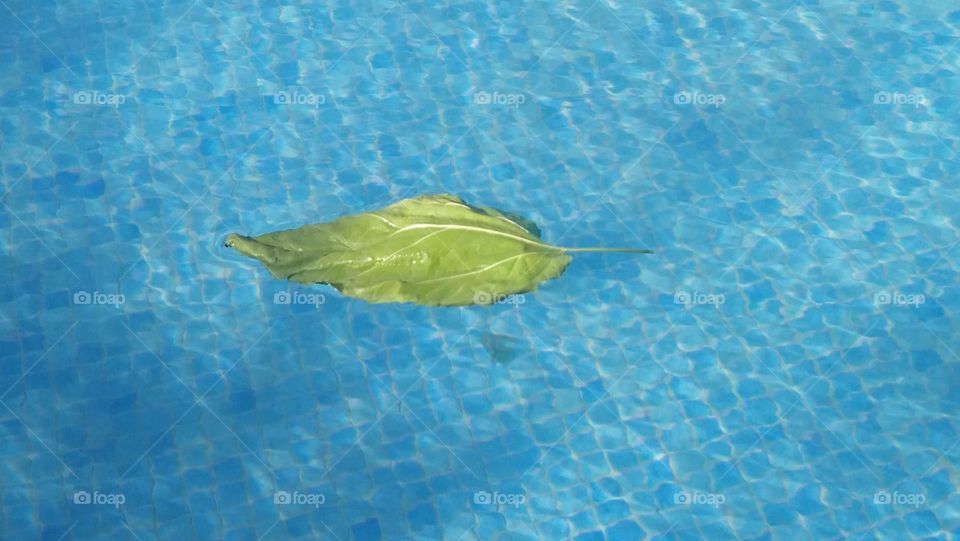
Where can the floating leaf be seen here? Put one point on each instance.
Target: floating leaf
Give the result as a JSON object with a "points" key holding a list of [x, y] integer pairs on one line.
{"points": [[431, 250]]}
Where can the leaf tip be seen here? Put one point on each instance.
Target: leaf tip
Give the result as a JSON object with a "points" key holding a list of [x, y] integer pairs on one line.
{"points": [[232, 240]]}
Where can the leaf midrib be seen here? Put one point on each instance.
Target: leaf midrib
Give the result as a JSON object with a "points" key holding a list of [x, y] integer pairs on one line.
{"points": [[477, 229]]}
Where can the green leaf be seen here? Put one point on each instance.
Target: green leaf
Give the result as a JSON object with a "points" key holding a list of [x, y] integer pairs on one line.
{"points": [[433, 250]]}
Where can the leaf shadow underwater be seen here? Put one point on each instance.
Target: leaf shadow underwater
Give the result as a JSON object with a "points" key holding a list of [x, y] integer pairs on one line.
{"points": [[503, 348]]}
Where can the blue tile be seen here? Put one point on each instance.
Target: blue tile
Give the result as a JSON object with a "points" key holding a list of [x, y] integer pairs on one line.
{"points": [[798, 198]]}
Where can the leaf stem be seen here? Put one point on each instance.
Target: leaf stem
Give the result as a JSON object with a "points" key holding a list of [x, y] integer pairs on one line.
{"points": [[609, 250]]}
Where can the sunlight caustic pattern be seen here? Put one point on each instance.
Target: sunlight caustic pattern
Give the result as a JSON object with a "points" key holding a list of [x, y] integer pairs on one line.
{"points": [[783, 365]]}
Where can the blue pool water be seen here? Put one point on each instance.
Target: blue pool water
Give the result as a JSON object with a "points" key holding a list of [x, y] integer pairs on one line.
{"points": [[785, 366]]}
